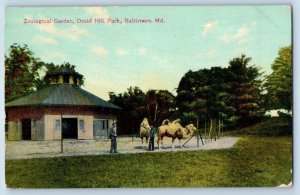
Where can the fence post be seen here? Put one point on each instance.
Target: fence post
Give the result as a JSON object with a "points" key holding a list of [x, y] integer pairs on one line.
{"points": [[198, 132], [61, 139]]}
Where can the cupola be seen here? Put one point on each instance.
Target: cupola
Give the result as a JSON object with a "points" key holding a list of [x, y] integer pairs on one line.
{"points": [[64, 75]]}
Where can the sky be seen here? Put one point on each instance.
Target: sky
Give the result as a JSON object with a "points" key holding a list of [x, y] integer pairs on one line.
{"points": [[114, 56]]}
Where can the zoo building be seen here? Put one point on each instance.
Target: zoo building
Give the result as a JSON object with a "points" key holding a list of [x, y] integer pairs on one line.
{"points": [[61, 110]]}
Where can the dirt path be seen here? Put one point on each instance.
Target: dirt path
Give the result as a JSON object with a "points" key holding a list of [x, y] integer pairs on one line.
{"points": [[42, 149]]}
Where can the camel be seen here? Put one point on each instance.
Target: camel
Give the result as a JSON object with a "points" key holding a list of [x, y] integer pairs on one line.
{"points": [[144, 130], [174, 130]]}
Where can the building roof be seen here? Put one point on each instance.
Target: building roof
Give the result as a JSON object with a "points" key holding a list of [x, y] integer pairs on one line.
{"points": [[61, 95]]}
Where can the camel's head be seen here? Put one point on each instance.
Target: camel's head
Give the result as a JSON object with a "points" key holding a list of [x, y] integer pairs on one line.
{"points": [[190, 129], [145, 123]]}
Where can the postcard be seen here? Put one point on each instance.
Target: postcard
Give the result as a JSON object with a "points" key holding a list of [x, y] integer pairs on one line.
{"points": [[148, 96]]}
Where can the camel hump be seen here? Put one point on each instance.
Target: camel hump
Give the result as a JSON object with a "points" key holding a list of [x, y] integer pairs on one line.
{"points": [[176, 121], [165, 122]]}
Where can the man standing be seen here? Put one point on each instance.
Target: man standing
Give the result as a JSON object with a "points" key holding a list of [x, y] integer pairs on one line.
{"points": [[152, 136], [113, 138]]}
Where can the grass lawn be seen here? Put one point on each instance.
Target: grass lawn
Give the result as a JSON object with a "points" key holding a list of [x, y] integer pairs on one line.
{"points": [[254, 161]]}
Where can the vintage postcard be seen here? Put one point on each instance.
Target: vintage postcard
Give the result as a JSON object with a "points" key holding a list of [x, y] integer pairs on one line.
{"points": [[148, 96]]}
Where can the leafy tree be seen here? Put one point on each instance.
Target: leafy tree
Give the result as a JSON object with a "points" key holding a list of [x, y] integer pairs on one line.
{"points": [[279, 83], [222, 93], [159, 104], [245, 90], [25, 73], [203, 98], [192, 92], [133, 110], [204, 92], [218, 101], [155, 105], [22, 71]]}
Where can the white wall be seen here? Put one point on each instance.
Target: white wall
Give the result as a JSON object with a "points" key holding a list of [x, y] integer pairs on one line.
{"points": [[55, 134], [87, 132], [50, 132]]}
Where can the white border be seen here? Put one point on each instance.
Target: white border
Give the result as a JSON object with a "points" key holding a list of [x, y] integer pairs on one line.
{"points": [[216, 191]]}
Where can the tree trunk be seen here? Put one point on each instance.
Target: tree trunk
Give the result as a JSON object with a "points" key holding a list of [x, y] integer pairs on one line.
{"points": [[155, 112], [198, 132], [213, 129], [219, 133], [210, 129], [205, 128], [149, 114]]}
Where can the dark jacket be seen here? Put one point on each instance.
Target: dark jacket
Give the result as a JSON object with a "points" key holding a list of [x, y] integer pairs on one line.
{"points": [[112, 132], [152, 132]]}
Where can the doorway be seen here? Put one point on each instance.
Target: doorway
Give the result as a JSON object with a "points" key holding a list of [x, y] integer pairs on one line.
{"points": [[69, 128], [26, 129]]}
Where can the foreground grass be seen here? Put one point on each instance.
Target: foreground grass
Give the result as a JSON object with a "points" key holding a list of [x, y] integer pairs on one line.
{"points": [[252, 162]]}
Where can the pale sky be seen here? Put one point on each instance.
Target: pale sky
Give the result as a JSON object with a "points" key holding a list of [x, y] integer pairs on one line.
{"points": [[113, 57]]}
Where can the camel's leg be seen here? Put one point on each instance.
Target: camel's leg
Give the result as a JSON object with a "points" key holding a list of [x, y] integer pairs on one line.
{"points": [[161, 141], [173, 140], [179, 140], [142, 140], [146, 140], [158, 140]]}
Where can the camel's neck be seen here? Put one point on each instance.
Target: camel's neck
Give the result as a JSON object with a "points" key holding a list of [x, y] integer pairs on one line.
{"points": [[186, 134]]}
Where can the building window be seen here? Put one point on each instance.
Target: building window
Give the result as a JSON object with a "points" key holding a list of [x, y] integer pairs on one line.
{"points": [[16, 125], [34, 123], [66, 78], [57, 125], [104, 124], [81, 125]]}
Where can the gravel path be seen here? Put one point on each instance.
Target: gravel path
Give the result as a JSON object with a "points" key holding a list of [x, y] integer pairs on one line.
{"points": [[41, 149]]}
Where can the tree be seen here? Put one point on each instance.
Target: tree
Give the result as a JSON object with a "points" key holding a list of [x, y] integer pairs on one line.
{"points": [[222, 93], [245, 90], [25, 73], [133, 110], [204, 94], [159, 104], [279, 82], [155, 105], [22, 71]]}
